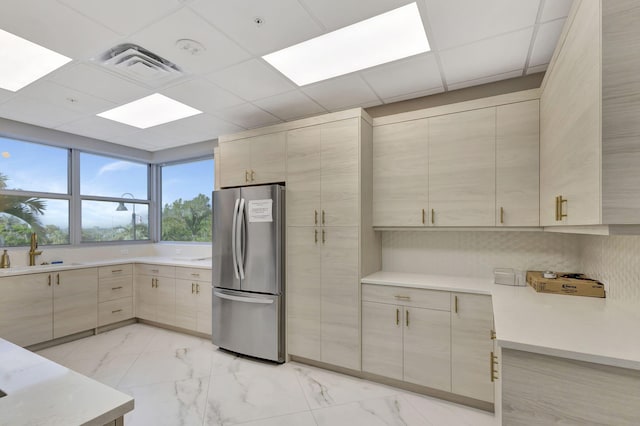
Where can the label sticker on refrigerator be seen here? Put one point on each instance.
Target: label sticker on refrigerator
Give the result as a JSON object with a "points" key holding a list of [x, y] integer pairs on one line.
{"points": [[260, 210]]}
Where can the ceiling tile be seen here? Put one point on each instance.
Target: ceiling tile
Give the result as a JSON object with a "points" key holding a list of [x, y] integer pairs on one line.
{"points": [[97, 82], [148, 139], [486, 58], [546, 41], [457, 22], [65, 97], [203, 95], [290, 105], [554, 9], [414, 74], [336, 14], [341, 92], [56, 27], [201, 127], [161, 37], [284, 22], [252, 80], [32, 111], [485, 80], [97, 128], [124, 16], [248, 116]]}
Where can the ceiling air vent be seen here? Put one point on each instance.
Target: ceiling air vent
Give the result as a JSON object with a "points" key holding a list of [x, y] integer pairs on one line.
{"points": [[138, 63]]}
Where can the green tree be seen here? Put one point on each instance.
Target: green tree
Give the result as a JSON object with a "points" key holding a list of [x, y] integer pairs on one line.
{"points": [[188, 220], [27, 209]]}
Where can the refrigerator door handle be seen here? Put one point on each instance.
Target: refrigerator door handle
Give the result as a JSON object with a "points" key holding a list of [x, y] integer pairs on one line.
{"points": [[240, 239], [233, 239], [243, 299]]}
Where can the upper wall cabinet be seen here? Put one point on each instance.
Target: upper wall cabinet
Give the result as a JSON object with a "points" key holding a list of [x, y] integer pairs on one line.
{"points": [[473, 164], [589, 127], [254, 160]]}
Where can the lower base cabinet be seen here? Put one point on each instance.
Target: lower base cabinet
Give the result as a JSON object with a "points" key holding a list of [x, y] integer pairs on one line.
{"points": [[430, 338], [156, 293], [75, 301]]}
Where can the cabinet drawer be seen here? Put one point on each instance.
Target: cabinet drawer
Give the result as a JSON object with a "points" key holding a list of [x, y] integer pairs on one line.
{"points": [[156, 270], [115, 270], [115, 288], [430, 299], [115, 310], [193, 274]]}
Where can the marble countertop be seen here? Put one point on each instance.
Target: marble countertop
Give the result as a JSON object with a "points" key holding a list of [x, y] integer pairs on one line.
{"points": [[588, 329], [41, 392], [200, 262]]}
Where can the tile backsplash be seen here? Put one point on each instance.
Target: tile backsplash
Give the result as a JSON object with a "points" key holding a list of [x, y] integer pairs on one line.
{"points": [[614, 260], [477, 253]]}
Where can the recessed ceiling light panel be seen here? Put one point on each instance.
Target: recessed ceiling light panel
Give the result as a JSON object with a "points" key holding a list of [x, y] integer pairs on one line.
{"points": [[150, 111], [23, 62], [393, 35]]}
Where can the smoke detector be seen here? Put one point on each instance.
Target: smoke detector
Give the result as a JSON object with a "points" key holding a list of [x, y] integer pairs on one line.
{"points": [[136, 62]]}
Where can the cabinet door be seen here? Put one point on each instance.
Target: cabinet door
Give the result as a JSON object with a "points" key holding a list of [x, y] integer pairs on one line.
{"points": [[427, 348], [400, 178], [382, 339], [236, 163], [471, 345], [268, 158], [303, 291], [203, 307], [146, 297], [303, 176], [570, 130], [165, 300], [75, 301], [340, 300], [518, 164], [339, 175], [462, 187], [26, 309], [186, 310]]}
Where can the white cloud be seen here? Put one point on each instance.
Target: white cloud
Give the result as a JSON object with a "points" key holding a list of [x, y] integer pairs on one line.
{"points": [[115, 166]]}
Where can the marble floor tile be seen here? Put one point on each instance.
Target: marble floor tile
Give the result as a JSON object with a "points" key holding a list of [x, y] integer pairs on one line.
{"points": [[108, 369], [324, 388], [171, 403], [56, 353], [170, 341], [158, 367], [439, 412], [132, 339], [388, 411], [243, 397], [304, 418]]}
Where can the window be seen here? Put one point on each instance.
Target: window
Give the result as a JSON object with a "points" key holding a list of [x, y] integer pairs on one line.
{"points": [[114, 197], [34, 193], [186, 201]]}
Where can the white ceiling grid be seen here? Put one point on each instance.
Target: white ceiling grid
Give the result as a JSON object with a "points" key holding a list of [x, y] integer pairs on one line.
{"points": [[473, 42]]}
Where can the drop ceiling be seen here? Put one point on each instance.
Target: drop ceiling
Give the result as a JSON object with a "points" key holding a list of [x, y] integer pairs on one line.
{"points": [[473, 42]]}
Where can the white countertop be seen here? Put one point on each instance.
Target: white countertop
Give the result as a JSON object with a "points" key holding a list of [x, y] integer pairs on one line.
{"points": [[588, 329], [41, 392], [201, 263]]}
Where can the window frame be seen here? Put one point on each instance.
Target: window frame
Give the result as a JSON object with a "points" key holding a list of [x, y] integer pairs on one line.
{"points": [[160, 201]]}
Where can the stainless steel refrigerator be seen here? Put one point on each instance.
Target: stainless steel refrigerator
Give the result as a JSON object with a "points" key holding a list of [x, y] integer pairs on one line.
{"points": [[248, 271]]}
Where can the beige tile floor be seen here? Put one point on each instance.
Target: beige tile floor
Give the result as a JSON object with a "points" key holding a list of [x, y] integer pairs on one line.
{"points": [[177, 379]]}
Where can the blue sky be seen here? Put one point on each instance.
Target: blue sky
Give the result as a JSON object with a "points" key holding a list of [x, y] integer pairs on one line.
{"points": [[41, 168]]}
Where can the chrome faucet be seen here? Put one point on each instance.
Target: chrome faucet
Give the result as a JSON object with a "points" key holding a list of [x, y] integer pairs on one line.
{"points": [[32, 251]]}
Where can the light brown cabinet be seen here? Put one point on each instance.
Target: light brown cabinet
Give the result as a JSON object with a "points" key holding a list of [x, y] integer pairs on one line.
{"points": [[115, 293], [75, 301], [193, 299], [404, 338], [590, 158], [156, 293], [252, 161], [26, 309], [471, 346]]}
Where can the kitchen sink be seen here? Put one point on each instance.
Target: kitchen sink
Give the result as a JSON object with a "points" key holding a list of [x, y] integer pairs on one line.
{"points": [[19, 269]]}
